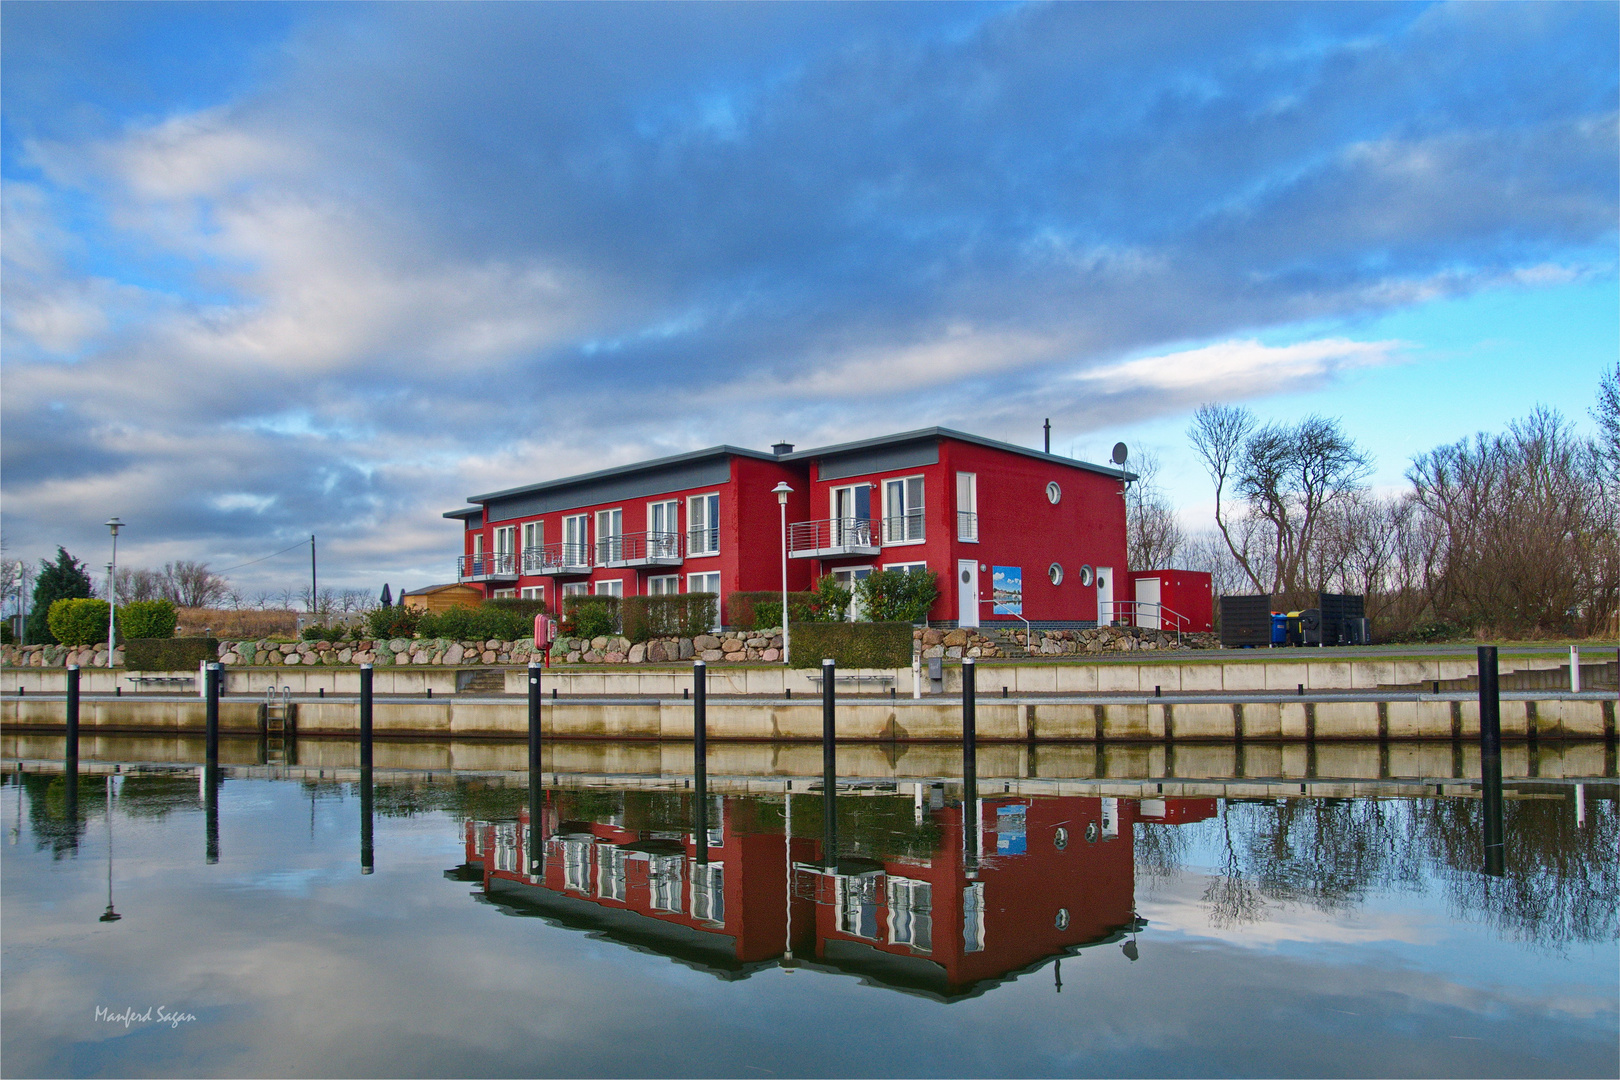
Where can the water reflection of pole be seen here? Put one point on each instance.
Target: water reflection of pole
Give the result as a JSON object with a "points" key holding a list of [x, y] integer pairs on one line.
{"points": [[1490, 755], [367, 861], [531, 845], [700, 759], [787, 852], [70, 763], [211, 785], [829, 763], [970, 764], [109, 915]]}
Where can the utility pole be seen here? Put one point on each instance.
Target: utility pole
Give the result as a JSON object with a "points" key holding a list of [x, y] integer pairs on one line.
{"points": [[312, 573]]}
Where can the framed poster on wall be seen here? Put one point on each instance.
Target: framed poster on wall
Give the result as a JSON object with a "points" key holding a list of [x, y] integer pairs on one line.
{"points": [[1008, 585]]}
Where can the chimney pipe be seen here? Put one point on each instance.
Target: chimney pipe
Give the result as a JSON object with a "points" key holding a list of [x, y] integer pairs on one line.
{"points": [[1048, 428]]}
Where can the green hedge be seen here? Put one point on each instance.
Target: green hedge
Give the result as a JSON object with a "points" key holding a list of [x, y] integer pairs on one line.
{"points": [[898, 595], [762, 610], [462, 623], [79, 622], [169, 654], [852, 645], [147, 619], [676, 615], [393, 622], [591, 615]]}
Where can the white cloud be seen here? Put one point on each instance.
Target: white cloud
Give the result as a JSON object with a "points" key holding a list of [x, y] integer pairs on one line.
{"points": [[1241, 368]]}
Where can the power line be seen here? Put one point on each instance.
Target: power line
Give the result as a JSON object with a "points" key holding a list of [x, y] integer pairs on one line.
{"points": [[250, 562]]}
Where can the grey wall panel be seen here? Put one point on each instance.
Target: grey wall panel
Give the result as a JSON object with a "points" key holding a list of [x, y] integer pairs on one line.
{"points": [[881, 459], [689, 474]]}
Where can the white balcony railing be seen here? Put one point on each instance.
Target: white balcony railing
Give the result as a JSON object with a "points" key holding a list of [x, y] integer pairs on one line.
{"points": [[487, 567], [640, 549], [903, 528], [703, 541], [831, 537], [967, 525], [557, 559]]}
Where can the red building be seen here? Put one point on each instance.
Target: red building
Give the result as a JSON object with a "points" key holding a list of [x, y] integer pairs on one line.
{"points": [[1008, 530], [1038, 879]]}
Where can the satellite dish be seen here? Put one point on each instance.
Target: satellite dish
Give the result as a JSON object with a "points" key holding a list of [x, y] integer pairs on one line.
{"points": [[1120, 453]]}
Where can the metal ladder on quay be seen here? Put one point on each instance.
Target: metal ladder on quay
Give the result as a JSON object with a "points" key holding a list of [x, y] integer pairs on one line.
{"points": [[277, 724]]}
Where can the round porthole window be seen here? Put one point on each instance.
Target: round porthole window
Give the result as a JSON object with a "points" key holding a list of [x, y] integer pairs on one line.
{"points": [[1062, 920], [1092, 832], [967, 576], [1087, 575], [1060, 839], [1055, 572], [1053, 493]]}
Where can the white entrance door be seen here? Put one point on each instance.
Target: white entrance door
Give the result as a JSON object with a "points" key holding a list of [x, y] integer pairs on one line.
{"points": [[1147, 603], [967, 592], [1105, 595]]}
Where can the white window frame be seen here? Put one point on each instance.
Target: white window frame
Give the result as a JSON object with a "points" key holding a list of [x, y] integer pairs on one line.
{"points": [[610, 872], [533, 592], [907, 567], [691, 587], [504, 594], [709, 893], [910, 523], [534, 534], [967, 507], [610, 535], [856, 905], [666, 881], [703, 526], [478, 544], [608, 587], [576, 588], [837, 572], [576, 538], [505, 539], [911, 914], [664, 585], [973, 917], [667, 509]]}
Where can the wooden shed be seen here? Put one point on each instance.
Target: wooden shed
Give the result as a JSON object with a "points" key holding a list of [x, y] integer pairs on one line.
{"points": [[442, 597]]}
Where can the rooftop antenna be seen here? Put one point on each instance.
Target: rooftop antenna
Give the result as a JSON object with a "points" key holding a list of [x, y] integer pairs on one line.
{"points": [[1048, 429], [1121, 452]]}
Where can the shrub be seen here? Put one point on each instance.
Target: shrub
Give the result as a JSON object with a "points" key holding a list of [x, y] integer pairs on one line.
{"points": [[896, 595], [169, 654], [393, 622], [676, 615], [592, 616], [79, 622], [318, 632], [147, 619], [829, 601], [852, 645], [761, 610], [462, 623], [523, 605]]}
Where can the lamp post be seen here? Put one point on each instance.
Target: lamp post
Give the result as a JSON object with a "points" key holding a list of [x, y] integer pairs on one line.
{"points": [[782, 491], [112, 591]]}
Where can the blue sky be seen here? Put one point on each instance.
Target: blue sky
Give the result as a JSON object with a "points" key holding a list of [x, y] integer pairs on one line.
{"points": [[277, 269]]}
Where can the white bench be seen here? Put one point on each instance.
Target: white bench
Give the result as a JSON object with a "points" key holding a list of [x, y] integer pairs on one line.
{"points": [[857, 681], [179, 681]]}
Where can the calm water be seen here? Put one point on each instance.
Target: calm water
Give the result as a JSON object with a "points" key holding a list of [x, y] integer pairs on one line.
{"points": [[1069, 935]]}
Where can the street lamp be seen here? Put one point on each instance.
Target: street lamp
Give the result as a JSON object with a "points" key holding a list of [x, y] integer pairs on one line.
{"points": [[112, 591], [782, 491]]}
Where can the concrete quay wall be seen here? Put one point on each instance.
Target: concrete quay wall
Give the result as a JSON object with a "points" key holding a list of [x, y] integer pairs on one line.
{"points": [[869, 719], [1264, 673], [653, 764]]}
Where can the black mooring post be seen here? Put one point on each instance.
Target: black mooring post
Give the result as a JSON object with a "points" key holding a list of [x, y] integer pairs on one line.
{"points": [[71, 750], [211, 684], [829, 763], [368, 861], [1490, 759], [365, 717], [535, 698], [700, 759], [533, 844]]}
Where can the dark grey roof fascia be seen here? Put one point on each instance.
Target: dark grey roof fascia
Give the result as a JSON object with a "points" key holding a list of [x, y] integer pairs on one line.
{"points": [[618, 470], [961, 436], [464, 512]]}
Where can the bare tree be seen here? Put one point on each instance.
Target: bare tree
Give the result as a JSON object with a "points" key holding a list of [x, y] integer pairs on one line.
{"points": [[1607, 414], [193, 585], [1153, 534], [1218, 434]]}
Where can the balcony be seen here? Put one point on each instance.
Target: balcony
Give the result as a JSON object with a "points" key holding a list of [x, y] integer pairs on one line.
{"points": [[703, 541], [904, 528], [967, 526], [831, 538], [501, 566], [635, 550], [558, 560]]}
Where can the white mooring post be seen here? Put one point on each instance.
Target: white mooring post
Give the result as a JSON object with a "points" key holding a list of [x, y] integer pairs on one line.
{"points": [[1574, 669]]}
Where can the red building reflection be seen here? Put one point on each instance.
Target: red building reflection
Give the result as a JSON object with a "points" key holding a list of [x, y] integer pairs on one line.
{"points": [[942, 910]]}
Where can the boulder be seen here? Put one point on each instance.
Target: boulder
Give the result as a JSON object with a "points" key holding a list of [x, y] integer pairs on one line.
{"points": [[731, 645], [736, 657], [932, 651], [655, 652], [613, 658], [638, 653], [953, 651], [956, 638], [487, 656], [705, 642], [686, 648], [454, 654], [711, 656], [770, 656]]}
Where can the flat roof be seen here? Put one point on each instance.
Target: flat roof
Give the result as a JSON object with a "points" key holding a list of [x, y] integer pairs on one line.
{"points": [[835, 450]]}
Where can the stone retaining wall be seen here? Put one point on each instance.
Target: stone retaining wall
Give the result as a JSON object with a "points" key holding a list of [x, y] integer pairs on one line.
{"points": [[760, 646]]}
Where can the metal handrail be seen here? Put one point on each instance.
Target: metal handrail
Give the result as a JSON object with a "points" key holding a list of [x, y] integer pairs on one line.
{"points": [[640, 545], [486, 564], [1135, 608], [704, 540], [554, 557], [967, 525], [829, 533]]}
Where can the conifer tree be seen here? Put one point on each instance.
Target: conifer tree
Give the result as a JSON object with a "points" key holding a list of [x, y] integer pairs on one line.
{"points": [[65, 579]]}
